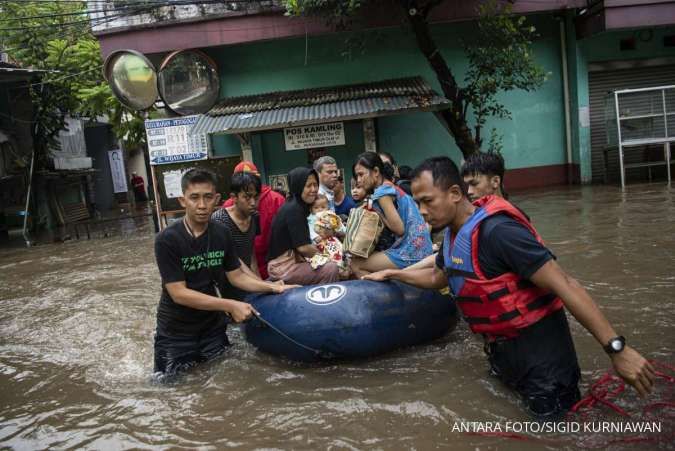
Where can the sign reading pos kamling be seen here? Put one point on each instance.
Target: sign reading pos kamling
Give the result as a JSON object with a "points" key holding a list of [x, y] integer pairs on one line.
{"points": [[169, 141], [317, 135]]}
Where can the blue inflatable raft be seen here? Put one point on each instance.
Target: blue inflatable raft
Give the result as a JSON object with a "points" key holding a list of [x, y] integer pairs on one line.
{"points": [[346, 320]]}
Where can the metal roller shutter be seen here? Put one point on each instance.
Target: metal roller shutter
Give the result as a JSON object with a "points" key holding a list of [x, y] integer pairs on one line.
{"points": [[600, 83]]}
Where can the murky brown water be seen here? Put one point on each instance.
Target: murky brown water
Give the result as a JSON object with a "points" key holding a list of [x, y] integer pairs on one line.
{"points": [[77, 319]]}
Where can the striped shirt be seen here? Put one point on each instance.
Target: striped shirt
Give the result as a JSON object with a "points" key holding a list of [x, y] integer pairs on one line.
{"points": [[243, 240]]}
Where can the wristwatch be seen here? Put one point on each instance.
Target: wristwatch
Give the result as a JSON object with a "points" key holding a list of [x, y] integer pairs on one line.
{"points": [[615, 345]]}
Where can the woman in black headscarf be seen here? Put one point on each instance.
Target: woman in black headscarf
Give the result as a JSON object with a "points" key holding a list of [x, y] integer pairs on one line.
{"points": [[290, 244]]}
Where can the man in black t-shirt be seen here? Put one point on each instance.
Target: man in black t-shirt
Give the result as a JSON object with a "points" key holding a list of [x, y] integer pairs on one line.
{"points": [[196, 260], [532, 353]]}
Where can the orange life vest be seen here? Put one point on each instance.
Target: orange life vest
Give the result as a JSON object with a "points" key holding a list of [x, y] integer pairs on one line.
{"points": [[502, 305]]}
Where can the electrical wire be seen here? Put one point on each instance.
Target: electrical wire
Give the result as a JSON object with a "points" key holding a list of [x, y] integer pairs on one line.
{"points": [[74, 13], [66, 77], [77, 22], [139, 8], [94, 22]]}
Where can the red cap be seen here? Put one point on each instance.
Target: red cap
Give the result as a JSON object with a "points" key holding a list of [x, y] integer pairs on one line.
{"points": [[246, 166]]}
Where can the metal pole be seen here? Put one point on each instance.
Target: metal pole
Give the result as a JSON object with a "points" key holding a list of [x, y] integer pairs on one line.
{"points": [[25, 212], [566, 98], [618, 131], [666, 145], [158, 206]]}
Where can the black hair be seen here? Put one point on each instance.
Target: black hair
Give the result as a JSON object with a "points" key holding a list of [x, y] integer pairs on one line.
{"points": [[370, 161], [485, 163], [197, 175], [405, 172], [243, 181], [443, 171], [389, 156]]}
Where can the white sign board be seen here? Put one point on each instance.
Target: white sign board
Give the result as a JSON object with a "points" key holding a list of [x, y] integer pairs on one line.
{"points": [[119, 176], [169, 141], [317, 135], [172, 183]]}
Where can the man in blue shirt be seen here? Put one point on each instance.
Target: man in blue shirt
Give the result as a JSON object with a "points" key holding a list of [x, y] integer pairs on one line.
{"points": [[343, 201]]}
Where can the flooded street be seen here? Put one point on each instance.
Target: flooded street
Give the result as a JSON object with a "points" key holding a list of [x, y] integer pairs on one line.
{"points": [[78, 318]]}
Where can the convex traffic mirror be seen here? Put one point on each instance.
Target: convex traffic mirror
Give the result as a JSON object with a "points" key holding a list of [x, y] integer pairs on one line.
{"points": [[188, 82], [132, 78]]}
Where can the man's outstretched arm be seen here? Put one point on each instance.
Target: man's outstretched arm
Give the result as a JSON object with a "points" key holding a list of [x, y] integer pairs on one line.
{"points": [[629, 364], [431, 278], [245, 282]]}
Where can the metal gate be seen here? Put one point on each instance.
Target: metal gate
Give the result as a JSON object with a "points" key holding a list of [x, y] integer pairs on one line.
{"points": [[600, 84]]}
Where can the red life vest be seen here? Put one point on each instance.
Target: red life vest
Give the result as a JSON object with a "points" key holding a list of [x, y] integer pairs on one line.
{"points": [[502, 305]]}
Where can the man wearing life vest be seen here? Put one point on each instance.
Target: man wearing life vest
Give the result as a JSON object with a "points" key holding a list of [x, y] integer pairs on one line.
{"points": [[511, 290]]}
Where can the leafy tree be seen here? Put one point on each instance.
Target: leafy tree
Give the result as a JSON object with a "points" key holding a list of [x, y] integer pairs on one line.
{"points": [[500, 58], [56, 37]]}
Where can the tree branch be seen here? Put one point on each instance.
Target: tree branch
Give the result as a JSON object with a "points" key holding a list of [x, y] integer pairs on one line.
{"points": [[455, 115]]}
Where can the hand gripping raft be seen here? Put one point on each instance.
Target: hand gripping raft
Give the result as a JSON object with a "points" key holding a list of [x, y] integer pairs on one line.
{"points": [[347, 320]]}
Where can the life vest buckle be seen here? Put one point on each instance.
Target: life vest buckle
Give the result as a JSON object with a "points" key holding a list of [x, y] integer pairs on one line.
{"points": [[512, 286], [522, 309]]}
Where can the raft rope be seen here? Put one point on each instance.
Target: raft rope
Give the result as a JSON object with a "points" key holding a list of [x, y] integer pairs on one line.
{"points": [[602, 392], [317, 352], [608, 387]]}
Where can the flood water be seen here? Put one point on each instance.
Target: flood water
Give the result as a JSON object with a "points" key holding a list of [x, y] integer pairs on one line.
{"points": [[77, 321]]}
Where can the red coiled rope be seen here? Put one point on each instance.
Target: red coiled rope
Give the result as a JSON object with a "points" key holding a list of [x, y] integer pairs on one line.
{"points": [[602, 392]]}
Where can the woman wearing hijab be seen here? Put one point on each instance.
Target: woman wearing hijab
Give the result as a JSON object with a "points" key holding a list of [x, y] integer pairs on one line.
{"points": [[290, 244]]}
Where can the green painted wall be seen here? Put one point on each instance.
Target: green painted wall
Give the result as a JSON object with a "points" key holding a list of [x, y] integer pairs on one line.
{"points": [[225, 145], [534, 137], [577, 70], [269, 150], [605, 46]]}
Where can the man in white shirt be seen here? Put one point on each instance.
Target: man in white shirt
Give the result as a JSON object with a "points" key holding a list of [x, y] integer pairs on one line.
{"points": [[326, 167]]}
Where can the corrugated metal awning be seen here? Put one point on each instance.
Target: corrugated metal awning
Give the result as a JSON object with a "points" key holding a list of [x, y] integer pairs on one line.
{"points": [[292, 108]]}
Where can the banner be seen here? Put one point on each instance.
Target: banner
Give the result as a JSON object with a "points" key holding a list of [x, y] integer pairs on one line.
{"points": [[119, 176]]}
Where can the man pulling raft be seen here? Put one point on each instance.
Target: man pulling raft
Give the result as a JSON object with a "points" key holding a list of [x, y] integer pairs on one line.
{"points": [[510, 289]]}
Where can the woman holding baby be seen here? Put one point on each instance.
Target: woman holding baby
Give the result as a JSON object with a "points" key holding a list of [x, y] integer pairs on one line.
{"points": [[291, 247], [412, 241]]}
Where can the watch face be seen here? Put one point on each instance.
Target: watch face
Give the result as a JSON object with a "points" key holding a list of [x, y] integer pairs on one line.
{"points": [[617, 345]]}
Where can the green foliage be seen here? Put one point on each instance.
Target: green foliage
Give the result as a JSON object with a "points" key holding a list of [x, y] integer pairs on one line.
{"points": [[495, 144], [500, 60], [56, 37], [338, 13]]}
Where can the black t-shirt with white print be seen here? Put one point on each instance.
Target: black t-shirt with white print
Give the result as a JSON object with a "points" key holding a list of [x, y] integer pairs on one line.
{"points": [[197, 261]]}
